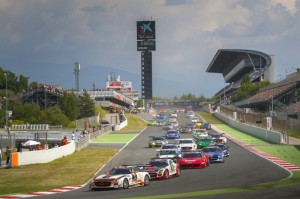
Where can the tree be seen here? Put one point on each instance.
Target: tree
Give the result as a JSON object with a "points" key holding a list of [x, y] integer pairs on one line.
{"points": [[33, 84], [69, 105], [86, 105], [54, 116], [139, 103], [30, 112], [248, 89], [23, 83]]}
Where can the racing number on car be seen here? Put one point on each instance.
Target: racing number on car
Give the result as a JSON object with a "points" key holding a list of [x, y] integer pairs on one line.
{"points": [[173, 166]]}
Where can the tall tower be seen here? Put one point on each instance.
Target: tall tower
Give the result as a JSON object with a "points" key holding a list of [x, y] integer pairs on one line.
{"points": [[76, 72]]}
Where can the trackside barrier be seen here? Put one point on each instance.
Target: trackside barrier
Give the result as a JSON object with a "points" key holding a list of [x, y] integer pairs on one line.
{"points": [[48, 155], [85, 141], [30, 127], [121, 125], [41, 156], [269, 135]]}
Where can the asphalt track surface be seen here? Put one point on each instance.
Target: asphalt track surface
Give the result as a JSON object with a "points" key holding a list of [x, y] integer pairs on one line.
{"points": [[242, 168]]}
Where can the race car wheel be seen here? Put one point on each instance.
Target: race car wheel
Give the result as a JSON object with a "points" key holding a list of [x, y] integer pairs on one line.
{"points": [[166, 174], [146, 180], [125, 184], [207, 163], [178, 172]]}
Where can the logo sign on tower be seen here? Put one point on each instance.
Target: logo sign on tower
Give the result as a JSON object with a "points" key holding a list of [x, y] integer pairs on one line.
{"points": [[145, 30]]}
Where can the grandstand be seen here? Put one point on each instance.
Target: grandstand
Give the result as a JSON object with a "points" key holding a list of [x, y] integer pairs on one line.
{"points": [[279, 100], [234, 64], [44, 95], [280, 97]]}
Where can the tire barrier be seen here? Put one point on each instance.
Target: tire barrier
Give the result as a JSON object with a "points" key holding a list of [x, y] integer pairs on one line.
{"points": [[30, 127]]}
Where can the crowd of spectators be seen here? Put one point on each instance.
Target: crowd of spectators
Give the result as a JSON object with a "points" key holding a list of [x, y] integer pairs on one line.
{"points": [[45, 88]]}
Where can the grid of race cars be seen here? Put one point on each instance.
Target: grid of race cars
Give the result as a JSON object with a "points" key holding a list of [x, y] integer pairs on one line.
{"points": [[173, 153]]}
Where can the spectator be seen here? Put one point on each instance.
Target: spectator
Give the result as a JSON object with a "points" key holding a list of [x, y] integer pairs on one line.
{"points": [[64, 141], [30, 148], [0, 157], [19, 149], [73, 136], [7, 153], [80, 136], [38, 147]]}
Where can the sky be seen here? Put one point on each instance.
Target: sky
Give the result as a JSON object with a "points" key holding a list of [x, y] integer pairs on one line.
{"points": [[42, 39]]}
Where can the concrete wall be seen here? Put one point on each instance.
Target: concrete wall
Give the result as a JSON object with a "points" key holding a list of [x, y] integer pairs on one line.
{"points": [[121, 125], [262, 133], [44, 156]]}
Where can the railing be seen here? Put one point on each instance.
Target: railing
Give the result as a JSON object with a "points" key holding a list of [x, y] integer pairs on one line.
{"points": [[85, 141], [256, 119]]}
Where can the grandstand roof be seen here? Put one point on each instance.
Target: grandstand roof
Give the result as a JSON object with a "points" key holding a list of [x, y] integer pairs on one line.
{"points": [[226, 61], [274, 90]]}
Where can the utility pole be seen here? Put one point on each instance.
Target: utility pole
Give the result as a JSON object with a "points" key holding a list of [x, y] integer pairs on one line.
{"points": [[6, 108]]}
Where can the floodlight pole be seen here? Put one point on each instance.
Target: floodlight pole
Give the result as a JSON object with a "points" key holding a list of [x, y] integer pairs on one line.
{"points": [[6, 108]]}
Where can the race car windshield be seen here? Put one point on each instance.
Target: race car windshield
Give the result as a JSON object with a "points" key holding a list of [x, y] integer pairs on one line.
{"points": [[222, 147], [168, 147], [172, 132], [185, 141], [205, 140], [119, 171], [167, 152], [159, 164], [211, 150], [158, 138], [192, 155]]}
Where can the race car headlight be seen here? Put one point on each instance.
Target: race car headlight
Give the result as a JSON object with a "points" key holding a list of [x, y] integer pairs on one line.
{"points": [[160, 172], [153, 143]]}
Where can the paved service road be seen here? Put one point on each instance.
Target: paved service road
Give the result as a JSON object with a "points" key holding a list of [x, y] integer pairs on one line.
{"points": [[242, 168]]}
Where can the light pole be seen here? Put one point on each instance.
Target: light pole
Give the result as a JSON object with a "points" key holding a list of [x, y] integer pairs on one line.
{"points": [[6, 101], [6, 106]]}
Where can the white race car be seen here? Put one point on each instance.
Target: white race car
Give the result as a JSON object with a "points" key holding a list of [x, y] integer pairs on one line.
{"points": [[121, 177], [173, 153], [163, 168], [187, 144]]}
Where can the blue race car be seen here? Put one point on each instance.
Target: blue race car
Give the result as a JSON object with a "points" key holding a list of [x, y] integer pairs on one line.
{"points": [[161, 116], [224, 148], [214, 153], [173, 134]]}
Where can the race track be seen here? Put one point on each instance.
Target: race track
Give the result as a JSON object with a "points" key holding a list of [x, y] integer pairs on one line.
{"points": [[242, 168]]}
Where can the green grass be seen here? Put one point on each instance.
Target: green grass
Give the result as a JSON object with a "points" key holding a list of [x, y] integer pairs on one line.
{"points": [[288, 153], [248, 139], [74, 169], [135, 124], [210, 118], [294, 133], [295, 180], [115, 138]]}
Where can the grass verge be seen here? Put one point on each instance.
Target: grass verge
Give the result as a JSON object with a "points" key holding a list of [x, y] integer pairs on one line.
{"points": [[135, 124], [288, 153], [115, 138], [74, 169], [295, 180]]}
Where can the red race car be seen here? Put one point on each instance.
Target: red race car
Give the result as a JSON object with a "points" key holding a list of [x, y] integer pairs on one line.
{"points": [[193, 159]]}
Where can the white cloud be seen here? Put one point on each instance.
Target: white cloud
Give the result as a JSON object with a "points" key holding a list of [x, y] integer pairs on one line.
{"points": [[103, 34], [290, 5]]}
